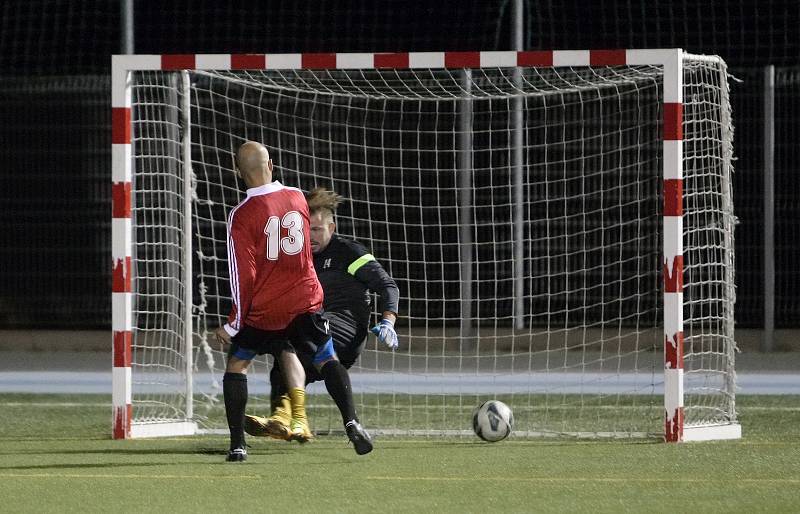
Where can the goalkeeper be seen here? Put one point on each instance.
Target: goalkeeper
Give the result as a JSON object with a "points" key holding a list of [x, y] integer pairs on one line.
{"points": [[347, 272]]}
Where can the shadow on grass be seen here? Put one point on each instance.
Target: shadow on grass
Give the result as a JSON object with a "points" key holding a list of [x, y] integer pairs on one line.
{"points": [[107, 465]]}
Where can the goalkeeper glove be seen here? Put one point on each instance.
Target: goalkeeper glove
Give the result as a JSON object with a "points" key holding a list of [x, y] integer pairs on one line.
{"points": [[386, 334]]}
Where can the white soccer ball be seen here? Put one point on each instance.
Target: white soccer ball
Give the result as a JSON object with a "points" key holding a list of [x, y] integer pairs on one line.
{"points": [[492, 421]]}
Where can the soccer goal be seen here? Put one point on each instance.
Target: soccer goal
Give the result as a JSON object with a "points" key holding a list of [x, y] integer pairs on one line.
{"points": [[560, 225]]}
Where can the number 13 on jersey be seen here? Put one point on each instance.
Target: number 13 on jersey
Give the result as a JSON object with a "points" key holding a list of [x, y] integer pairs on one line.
{"points": [[292, 242]]}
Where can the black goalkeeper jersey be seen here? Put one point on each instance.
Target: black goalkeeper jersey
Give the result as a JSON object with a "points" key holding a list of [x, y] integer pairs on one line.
{"points": [[348, 272]]}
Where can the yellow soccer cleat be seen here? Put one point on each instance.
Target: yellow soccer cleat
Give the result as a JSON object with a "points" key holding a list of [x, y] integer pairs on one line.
{"points": [[274, 426], [255, 426], [300, 431], [277, 427]]}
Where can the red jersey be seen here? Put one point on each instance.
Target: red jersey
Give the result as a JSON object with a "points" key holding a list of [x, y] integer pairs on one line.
{"points": [[272, 275]]}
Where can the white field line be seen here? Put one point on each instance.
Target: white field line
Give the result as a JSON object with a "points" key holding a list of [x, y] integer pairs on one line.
{"points": [[557, 480], [53, 404], [501, 479], [433, 408]]}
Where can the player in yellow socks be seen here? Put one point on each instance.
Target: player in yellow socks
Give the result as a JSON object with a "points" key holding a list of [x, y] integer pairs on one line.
{"points": [[298, 426], [276, 295]]}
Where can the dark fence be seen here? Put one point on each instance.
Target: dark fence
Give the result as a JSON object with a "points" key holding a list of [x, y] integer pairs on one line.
{"points": [[55, 194], [55, 122]]}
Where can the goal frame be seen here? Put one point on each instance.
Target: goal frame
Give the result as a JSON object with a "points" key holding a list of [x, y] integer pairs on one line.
{"points": [[671, 60]]}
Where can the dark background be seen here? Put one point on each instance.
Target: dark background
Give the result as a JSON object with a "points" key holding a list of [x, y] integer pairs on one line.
{"points": [[55, 119]]}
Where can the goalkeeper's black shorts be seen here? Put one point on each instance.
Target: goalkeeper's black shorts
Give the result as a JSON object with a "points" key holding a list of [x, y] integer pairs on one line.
{"points": [[348, 337]]}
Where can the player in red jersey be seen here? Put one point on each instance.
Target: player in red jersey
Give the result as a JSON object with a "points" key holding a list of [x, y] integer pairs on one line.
{"points": [[277, 298], [347, 272]]}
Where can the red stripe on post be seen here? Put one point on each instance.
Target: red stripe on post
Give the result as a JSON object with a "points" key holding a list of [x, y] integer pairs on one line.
{"points": [[318, 61], [607, 57], [673, 428], [122, 348], [462, 59], [248, 62], [121, 276], [398, 60], [673, 351], [673, 197], [121, 125], [673, 121], [535, 58], [121, 200], [122, 422], [178, 62], [673, 278]]}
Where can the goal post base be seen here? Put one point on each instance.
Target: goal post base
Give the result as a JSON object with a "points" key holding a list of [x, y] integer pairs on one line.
{"points": [[167, 429], [712, 432]]}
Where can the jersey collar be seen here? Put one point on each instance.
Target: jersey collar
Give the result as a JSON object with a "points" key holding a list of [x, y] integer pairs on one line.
{"points": [[265, 189]]}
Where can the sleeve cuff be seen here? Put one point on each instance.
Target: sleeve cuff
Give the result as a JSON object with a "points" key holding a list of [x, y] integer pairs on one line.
{"points": [[229, 329]]}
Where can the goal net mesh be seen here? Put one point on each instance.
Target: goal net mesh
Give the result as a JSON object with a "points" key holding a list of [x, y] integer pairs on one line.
{"points": [[539, 284]]}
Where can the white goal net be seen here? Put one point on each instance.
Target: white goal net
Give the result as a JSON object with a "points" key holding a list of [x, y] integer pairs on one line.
{"points": [[520, 211]]}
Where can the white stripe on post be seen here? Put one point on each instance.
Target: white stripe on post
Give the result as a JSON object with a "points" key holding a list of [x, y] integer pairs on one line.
{"points": [[673, 242], [426, 60], [120, 66], [120, 94], [571, 58], [673, 78], [498, 59], [120, 163], [212, 62], [673, 391], [673, 159], [673, 316], [284, 61], [355, 61], [120, 395], [120, 238], [672, 61], [655, 57], [121, 309]]}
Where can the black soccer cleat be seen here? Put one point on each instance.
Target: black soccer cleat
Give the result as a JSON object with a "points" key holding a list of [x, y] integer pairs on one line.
{"points": [[362, 442], [236, 455]]}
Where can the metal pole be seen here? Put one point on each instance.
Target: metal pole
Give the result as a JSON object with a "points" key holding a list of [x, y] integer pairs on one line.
{"points": [[126, 11], [517, 166], [465, 209], [769, 209], [188, 320]]}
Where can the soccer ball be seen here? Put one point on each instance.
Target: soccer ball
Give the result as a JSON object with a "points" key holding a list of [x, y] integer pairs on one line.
{"points": [[492, 421]]}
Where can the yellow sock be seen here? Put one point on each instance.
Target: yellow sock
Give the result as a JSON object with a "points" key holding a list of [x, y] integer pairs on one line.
{"points": [[298, 399], [283, 408]]}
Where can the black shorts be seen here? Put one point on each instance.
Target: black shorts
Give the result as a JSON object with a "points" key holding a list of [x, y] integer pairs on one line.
{"points": [[305, 335], [348, 339]]}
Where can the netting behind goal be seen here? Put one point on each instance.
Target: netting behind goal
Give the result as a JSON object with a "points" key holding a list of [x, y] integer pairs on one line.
{"points": [[518, 209]]}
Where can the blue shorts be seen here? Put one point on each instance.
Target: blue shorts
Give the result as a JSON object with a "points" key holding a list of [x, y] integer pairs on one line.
{"points": [[244, 354], [325, 352]]}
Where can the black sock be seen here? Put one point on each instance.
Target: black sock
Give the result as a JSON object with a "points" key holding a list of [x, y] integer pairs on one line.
{"points": [[337, 382], [276, 386], [234, 390]]}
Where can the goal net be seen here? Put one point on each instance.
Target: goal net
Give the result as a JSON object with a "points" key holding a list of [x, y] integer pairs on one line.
{"points": [[561, 233]]}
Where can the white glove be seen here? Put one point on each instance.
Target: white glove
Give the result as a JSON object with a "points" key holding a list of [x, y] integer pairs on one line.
{"points": [[386, 334]]}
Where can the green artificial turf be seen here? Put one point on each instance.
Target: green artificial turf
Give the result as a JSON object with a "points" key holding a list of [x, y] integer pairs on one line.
{"points": [[56, 455]]}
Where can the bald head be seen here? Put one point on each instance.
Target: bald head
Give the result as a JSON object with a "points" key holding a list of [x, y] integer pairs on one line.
{"points": [[254, 164]]}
